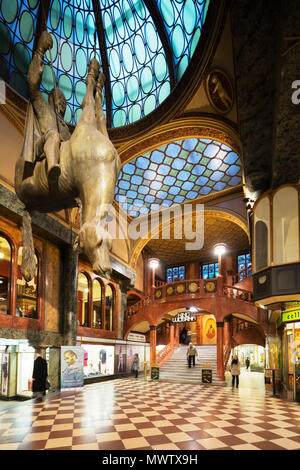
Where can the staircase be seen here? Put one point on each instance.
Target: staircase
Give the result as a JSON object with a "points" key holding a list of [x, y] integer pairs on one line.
{"points": [[176, 368]]}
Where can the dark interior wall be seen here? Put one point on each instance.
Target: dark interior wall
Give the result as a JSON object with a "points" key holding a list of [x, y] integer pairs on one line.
{"points": [[255, 30]]}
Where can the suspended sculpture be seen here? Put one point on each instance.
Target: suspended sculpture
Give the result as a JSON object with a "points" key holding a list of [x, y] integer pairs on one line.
{"points": [[56, 169]]}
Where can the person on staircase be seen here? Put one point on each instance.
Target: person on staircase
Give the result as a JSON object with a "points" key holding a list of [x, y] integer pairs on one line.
{"points": [[191, 355]]}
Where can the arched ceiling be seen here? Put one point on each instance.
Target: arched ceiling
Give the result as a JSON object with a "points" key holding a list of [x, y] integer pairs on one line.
{"points": [[177, 172], [217, 229], [144, 48]]}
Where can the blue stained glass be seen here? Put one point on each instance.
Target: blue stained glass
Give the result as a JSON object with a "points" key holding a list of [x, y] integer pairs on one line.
{"points": [[155, 185], [198, 170], [169, 180], [164, 183], [143, 190], [190, 144], [161, 194], [124, 184], [217, 175], [183, 22], [219, 186], [211, 151], [157, 157], [192, 195], [163, 170], [136, 179], [214, 164], [174, 190], [178, 199], [149, 199], [235, 181], [233, 170], [187, 185], [149, 175], [129, 169], [132, 194], [194, 158], [178, 164], [173, 150], [205, 190], [142, 163], [183, 175], [202, 181]]}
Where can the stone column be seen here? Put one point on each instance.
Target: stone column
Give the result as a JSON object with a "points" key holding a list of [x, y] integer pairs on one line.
{"points": [[172, 335], [227, 332], [176, 335], [124, 287], [69, 290], [220, 353], [54, 368], [153, 330]]}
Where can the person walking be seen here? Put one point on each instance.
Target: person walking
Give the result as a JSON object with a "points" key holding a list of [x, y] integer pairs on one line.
{"points": [[247, 362], [235, 371], [191, 355], [39, 377], [135, 365]]}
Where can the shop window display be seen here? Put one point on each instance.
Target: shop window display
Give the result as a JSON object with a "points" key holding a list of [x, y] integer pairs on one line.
{"points": [[98, 360], [83, 300], [97, 304], [5, 274], [25, 369], [27, 292], [109, 308]]}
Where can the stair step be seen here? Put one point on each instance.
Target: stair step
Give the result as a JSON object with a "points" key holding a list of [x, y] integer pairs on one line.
{"points": [[177, 370]]}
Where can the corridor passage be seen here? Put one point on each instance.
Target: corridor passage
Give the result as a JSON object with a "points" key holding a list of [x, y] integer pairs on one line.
{"points": [[134, 414]]}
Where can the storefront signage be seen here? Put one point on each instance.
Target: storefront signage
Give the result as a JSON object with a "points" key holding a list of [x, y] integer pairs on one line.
{"points": [[290, 316], [136, 337], [183, 317]]}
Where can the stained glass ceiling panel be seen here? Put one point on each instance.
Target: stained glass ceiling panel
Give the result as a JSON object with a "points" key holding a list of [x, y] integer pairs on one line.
{"points": [[178, 172], [138, 64]]}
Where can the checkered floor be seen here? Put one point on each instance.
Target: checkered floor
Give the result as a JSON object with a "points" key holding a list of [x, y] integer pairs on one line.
{"points": [[133, 414]]}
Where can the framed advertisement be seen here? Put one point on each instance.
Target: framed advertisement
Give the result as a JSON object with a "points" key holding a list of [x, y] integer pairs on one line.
{"points": [[72, 366]]}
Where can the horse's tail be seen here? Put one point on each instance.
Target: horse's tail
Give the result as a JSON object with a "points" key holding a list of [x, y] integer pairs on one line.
{"points": [[28, 267]]}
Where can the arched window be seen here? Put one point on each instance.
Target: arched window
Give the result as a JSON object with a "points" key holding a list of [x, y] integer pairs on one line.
{"points": [[27, 292], [262, 234], [109, 308], [286, 226], [5, 275], [83, 300], [97, 304]]}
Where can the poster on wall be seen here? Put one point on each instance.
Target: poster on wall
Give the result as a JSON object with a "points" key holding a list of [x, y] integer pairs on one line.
{"points": [[72, 366], [120, 359], [4, 374]]}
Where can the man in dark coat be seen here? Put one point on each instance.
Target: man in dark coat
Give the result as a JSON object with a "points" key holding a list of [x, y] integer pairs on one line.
{"points": [[39, 376]]}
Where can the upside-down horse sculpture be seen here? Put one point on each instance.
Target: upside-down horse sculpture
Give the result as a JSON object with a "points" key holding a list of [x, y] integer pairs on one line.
{"points": [[56, 169]]}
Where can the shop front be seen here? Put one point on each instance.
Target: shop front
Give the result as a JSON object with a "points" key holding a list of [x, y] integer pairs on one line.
{"points": [[108, 358], [255, 354], [290, 325], [16, 359]]}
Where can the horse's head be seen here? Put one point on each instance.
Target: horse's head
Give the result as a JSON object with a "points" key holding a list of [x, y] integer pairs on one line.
{"points": [[96, 243]]}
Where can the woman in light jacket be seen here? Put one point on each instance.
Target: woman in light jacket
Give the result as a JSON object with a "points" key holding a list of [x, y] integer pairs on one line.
{"points": [[235, 370]]}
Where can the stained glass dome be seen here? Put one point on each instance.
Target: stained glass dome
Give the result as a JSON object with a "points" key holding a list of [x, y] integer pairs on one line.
{"points": [[178, 172], [144, 47]]}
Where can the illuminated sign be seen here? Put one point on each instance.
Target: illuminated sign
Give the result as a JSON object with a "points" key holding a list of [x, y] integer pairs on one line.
{"points": [[184, 317], [290, 315]]}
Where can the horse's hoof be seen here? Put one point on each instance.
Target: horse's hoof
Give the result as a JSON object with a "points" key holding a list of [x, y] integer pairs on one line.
{"points": [[54, 173]]}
